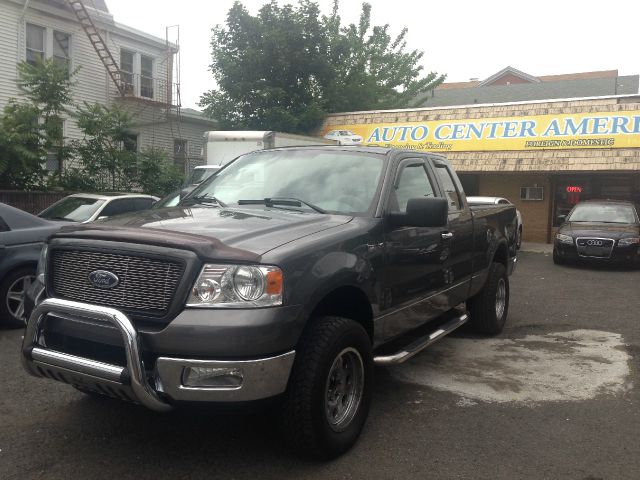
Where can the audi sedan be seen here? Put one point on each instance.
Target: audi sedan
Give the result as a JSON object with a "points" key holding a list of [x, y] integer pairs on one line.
{"points": [[601, 231]]}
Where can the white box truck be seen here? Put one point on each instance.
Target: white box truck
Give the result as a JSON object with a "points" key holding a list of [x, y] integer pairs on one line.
{"points": [[220, 147]]}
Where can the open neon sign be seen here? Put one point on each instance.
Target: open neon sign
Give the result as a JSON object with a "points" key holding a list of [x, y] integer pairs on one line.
{"points": [[574, 189]]}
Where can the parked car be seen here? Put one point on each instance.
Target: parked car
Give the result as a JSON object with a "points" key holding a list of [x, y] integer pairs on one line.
{"points": [[87, 207], [477, 201], [291, 273], [599, 230], [344, 137], [21, 239]]}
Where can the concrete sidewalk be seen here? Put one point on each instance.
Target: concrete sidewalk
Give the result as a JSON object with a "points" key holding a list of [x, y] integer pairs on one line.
{"points": [[537, 247]]}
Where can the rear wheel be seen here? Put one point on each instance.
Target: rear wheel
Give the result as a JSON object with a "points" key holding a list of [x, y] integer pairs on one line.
{"points": [[490, 306], [12, 295], [329, 392]]}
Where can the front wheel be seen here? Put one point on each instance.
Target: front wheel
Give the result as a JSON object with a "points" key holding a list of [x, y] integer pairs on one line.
{"points": [[13, 289], [489, 307], [557, 259], [329, 392]]}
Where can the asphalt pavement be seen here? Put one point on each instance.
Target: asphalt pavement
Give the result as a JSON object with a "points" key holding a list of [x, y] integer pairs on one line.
{"points": [[555, 396]]}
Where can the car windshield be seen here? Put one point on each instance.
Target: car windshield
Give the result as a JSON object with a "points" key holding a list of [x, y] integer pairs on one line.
{"points": [[201, 174], [333, 181], [75, 209], [603, 213]]}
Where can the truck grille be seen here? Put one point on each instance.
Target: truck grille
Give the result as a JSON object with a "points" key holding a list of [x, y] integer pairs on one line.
{"points": [[143, 284]]}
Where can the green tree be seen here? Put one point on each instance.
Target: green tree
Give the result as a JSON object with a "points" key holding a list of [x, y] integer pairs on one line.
{"points": [[287, 67], [102, 152], [156, 174], [30, 130]]}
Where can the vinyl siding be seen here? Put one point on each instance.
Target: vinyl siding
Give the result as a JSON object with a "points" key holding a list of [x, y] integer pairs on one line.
{"points": [[93, 84]]}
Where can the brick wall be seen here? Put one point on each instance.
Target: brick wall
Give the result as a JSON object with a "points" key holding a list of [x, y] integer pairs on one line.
{"points": [[534, 213]]}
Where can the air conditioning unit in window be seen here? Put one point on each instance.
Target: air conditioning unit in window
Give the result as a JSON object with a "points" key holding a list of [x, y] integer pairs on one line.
{"points": [[531, 193]]}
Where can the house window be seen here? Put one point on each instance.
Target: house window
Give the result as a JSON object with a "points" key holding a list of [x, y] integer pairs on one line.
{"points": [[146, 76], [179, 151], [130, 142], [126, 70], [55, 131], [61, 43], [35, 44]]}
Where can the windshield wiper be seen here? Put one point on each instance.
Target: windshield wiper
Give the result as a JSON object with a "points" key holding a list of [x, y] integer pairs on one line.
{"points": [[282, 201], [204, 199]]}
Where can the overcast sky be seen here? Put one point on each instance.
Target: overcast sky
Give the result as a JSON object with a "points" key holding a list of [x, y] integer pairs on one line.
{"points": [[464, 39]]}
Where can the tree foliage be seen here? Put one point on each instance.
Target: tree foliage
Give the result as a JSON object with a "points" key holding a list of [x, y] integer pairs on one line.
{"points": [[102, 151], [287, 67], [30, 129]]}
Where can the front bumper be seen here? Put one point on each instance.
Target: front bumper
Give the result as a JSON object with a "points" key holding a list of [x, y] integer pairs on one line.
{"points": [[157, 387], [626, 255]]}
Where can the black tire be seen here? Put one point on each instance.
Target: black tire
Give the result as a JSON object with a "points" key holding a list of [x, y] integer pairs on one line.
{"points": [[9, 305], [307, 411], [557, 259], [487, 316]]}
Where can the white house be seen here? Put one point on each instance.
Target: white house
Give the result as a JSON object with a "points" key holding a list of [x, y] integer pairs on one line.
{"points": [[144, 69]]}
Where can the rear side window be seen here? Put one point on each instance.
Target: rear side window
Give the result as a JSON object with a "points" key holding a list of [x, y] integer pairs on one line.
{"points": [[3, 226], [142, 203], [116, 207], [448, 187]]}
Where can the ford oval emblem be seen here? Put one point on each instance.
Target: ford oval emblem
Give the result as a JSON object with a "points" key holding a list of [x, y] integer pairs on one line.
{"points": [[103, 279]]}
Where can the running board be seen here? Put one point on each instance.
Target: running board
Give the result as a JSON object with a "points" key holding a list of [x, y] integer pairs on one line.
{"points": [[421, 343]]}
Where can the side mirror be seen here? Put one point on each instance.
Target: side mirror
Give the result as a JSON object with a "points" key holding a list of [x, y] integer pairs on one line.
{"points": [[186, 191], [423, 212], [562, 218]]}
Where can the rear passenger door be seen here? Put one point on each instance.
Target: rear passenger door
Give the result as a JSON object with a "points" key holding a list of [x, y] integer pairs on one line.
{"points": [[458, 237]]}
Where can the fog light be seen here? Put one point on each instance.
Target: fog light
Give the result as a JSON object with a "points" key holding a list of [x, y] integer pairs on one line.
{"points": [[212, 377]]}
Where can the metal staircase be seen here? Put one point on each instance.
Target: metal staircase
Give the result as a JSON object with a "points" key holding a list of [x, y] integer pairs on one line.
{"points": [[98, 43]]}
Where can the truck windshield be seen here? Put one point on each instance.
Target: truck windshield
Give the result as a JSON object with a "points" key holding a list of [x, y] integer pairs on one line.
{"points": [[334, 181]]}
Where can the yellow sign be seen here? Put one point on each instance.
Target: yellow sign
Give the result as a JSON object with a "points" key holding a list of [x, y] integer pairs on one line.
{"points": [[563, 131]]}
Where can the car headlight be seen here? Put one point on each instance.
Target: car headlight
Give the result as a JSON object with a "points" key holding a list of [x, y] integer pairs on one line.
{"points": [[564, 238], [625, 242], [237, 286], [41, 269]]}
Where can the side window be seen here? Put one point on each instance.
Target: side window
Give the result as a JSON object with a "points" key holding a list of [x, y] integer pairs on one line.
{"points": [[448, 187], [413, 183], [116, 207], [142, 203], [3, 226], [503, 202]]}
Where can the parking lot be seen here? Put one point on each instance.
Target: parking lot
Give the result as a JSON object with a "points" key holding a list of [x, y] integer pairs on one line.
{"points": [[554, 396]]}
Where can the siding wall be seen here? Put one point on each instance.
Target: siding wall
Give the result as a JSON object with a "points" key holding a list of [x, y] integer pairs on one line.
{"points": [[93, 83]]}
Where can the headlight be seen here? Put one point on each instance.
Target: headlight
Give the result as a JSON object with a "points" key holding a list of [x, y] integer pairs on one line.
{"points": [[237, 286], [625, 242], [41, 269], [564, 238]]}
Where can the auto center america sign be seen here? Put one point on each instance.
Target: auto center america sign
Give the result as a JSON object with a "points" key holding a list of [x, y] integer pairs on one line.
{"points": [[562, 131]]}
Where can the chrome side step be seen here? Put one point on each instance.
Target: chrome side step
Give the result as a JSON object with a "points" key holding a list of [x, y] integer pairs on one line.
{"points": [[421, 343]]}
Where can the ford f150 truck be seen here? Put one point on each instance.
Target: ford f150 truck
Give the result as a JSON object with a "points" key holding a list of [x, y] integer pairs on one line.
{"points": [[286, 276]]}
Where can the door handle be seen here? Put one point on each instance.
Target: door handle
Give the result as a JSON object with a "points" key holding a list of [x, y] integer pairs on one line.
{"points": [[446, 235]]}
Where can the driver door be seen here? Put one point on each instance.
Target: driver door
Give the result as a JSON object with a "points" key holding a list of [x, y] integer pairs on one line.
{"points": [[414, 257]]}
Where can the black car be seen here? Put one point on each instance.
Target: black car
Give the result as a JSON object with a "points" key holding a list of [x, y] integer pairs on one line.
{"points": [[21, 238], [600, 230]]}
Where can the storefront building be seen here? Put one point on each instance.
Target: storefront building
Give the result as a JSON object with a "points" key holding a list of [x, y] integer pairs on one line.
{"points": [[543, 155]]}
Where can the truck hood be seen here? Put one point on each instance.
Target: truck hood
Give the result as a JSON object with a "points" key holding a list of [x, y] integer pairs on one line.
{"points": [[213, 232]]}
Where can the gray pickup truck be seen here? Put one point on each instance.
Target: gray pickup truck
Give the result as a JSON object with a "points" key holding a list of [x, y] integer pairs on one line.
{"points": [[286, 276]]}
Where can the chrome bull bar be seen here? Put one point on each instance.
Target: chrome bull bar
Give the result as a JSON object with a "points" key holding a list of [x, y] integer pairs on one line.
{"points": [[133, 375]]}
